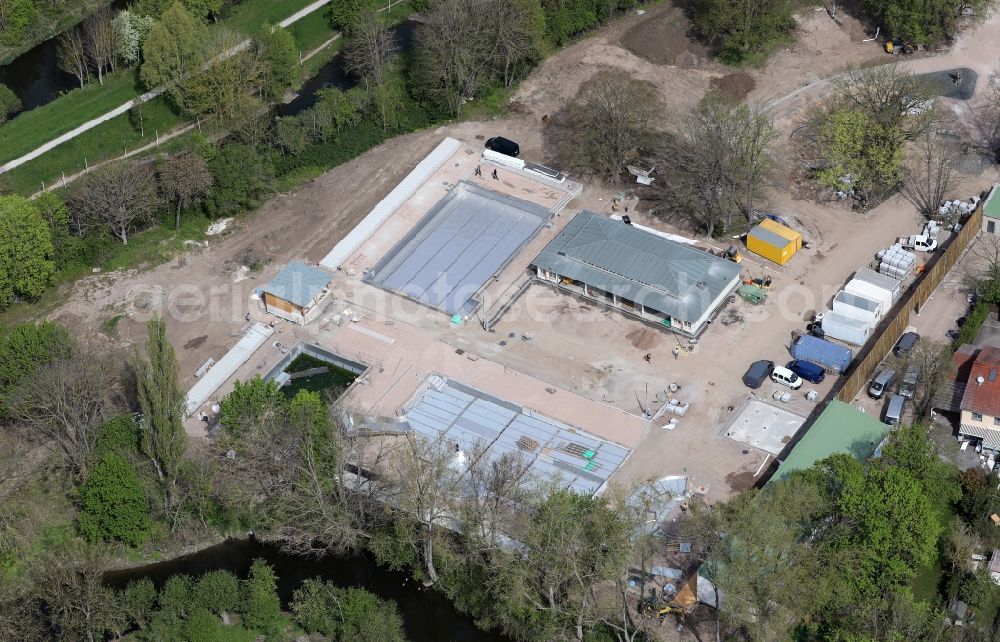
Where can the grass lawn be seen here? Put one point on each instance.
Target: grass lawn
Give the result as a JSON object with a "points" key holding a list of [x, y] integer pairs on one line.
{"points": [[248, 15], [105, 141], [311, 31], [38, 126]]}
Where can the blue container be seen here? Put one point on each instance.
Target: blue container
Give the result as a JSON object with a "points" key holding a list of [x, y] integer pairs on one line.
{"points": [[829, 355]]}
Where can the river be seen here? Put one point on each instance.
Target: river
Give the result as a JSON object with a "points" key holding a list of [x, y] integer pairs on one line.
{"points": [[35, 75], [428, 616], [333, 75]]}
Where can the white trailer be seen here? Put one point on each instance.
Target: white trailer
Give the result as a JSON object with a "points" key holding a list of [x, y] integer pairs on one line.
{"points": [[871, 291], [858, 307], [846, 329], [883, 281]]}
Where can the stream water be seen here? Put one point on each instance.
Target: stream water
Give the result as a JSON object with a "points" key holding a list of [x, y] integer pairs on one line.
{"points": [[333, 74], [35, 75], [428, 616]]}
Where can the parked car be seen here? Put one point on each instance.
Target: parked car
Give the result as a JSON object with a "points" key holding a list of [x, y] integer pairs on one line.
{"points": [[757, 373], [811, 372], [905, 344], [786, 377], [894, 410], [881, 381], [909, 383], [503, 146]]}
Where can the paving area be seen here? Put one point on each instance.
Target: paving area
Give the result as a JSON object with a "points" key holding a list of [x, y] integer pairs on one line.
{"points": [[764, 426]]}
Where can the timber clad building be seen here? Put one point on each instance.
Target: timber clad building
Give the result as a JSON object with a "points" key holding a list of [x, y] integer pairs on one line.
{"points": [[638, 273]]}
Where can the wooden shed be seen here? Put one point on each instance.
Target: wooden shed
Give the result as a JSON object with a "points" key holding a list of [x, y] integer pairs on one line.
{"points": [[297, 292]]}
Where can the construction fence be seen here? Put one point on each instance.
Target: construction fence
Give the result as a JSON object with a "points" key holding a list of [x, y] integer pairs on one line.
{"points": [[896, 321]]}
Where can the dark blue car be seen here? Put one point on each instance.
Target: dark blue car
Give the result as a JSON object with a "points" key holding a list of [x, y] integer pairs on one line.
{"points": [[811, 372]]}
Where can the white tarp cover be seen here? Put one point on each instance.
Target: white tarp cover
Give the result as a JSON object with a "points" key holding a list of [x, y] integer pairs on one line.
{"points": [[227, 366]]}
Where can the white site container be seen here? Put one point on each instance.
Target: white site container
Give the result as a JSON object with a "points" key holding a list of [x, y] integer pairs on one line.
{"points": [[846, 329], [882, 281], [870, 291], [858, 307]]}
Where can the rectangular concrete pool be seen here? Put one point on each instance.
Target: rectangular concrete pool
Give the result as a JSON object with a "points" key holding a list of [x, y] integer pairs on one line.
{"points": [[466, 238]]}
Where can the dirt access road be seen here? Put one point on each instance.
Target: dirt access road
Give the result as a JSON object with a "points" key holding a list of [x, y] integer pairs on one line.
{"points": [[204, 294]]}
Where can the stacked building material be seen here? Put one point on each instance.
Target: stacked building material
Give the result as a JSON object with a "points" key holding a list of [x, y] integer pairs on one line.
{"points": [[896, 262]]}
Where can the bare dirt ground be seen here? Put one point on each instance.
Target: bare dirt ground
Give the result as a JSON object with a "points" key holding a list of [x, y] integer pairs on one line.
{"points": [[600, 358]]}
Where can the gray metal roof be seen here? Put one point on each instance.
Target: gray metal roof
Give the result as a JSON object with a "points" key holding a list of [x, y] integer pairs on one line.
{"points": [[554, 450], [670, 277], [298, 283], [466, 238], [769, 237], [856, 301], [877, 278]]}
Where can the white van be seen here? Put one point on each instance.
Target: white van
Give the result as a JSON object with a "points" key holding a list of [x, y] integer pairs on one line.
{"points": [[880, 383], [786, 377]]}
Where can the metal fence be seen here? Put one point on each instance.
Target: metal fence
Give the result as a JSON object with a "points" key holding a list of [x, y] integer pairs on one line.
{"points": [[896, 321]]}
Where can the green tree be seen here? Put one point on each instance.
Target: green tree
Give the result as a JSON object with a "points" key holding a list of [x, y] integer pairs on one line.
{"points": [[740, 29], [860, 155], [573, 545], [366, 618], [27, 347], [204, 8], [26, 252], [313, 607], [138, 599], [118, 435], [252, 405], [242, 176], [260, 606], [978, 589], [280, 57], [885, 518], [217, 591], [175, 596], [343, 14], [202, 626], [911, 450], [162, 401], [922, 22], [174, 52], [112, 504], [10, 104], [348, 614], [56, 216]]}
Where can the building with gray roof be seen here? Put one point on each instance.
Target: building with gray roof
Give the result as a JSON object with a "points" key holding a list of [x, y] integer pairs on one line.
{"points": [[297, 292], [637, 272], [449, 410]]}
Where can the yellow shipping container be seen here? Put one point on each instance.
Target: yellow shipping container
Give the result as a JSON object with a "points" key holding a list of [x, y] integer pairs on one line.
{"points": [[774, 241]]}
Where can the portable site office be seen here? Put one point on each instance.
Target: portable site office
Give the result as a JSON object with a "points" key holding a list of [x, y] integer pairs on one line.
{"points": [[774, 241], [891, 284], [868, 290], [846, 329], [858, 307]]}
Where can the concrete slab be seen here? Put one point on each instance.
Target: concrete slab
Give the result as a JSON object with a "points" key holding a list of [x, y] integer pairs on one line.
{"points": [[764, 426]]}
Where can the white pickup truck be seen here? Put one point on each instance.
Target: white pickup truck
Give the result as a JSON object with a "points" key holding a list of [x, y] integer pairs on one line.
{"points": [[918, 242]]}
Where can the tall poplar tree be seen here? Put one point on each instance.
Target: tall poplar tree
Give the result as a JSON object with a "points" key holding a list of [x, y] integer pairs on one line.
{"points": [[161, 401]]}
